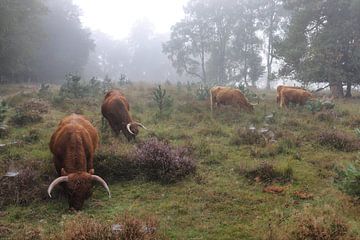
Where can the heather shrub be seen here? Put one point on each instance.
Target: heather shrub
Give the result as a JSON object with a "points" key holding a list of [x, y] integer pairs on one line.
{"points": [[113, 164], [24, 117], [338, 140], [247, 136], [28, 185], [266, 173], [159, 161]]}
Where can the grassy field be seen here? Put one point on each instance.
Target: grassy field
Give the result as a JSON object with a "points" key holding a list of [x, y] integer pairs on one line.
{"points": [[225, 198]]}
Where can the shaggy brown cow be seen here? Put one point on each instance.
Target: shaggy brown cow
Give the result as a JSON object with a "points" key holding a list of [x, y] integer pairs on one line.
{"points": [[278, 89], [115, 109], [229, 96], [295, 96], [73, 145]]}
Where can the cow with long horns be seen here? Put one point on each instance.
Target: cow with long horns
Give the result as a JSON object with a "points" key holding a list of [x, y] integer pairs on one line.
{"points": [[73, 145], [229, 96], [115, 109]]}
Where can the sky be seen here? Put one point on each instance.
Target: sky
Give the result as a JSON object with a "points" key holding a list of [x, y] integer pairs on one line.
{"points": [[116, 17]]}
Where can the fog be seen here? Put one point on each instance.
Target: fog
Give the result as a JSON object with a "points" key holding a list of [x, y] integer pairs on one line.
{"points": [[116, 18], [256, 43]]}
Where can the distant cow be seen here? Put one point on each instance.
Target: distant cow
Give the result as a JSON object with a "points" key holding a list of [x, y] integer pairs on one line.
{"points": [[115, 109], [278, 89], [229, 96], [295, 96], [73, 145]]}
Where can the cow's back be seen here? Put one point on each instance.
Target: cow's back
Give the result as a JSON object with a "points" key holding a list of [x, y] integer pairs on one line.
{"points": [[70, 127]]}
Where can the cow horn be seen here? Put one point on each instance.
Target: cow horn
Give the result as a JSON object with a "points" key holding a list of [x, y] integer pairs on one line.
{"points": [[56, 182], [139, 124], [102, 182], [128, 128]]}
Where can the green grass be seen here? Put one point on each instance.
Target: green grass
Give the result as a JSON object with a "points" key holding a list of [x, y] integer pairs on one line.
{"points": [[218, 202]]}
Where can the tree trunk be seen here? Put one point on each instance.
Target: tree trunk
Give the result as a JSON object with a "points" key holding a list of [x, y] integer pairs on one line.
{"points": [[336, 90], [269, 52], [348, 90]]}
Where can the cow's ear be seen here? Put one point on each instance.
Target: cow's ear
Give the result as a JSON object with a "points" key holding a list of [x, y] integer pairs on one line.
{"points": [[91, 171], [63, 172]]}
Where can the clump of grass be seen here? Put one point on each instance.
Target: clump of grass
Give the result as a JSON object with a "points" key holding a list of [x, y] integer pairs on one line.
{"points": [[319, 226], [325, 116], [266, 173], [247, 137], [338, 140], [310, 224], [159, 161], [124, 227], [32, 137], [115, 164], [270, 150], [354, 121]]}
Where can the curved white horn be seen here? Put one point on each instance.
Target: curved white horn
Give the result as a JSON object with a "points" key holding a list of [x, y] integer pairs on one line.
{"points": [[141, 125], [128, 128], [102, 182], [56, 182]]}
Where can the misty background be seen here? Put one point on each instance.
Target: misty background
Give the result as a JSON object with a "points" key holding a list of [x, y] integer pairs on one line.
{"points": [[251, 42]]}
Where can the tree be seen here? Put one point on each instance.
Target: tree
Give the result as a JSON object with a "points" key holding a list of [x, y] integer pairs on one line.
{"points": [[189, 42], [65, 44], [272, 16], [216, 41], [19, 32], [322, 43]]}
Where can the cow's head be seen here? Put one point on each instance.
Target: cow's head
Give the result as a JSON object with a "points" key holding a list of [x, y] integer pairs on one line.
{"points": [[78, 186], [133, 130]]}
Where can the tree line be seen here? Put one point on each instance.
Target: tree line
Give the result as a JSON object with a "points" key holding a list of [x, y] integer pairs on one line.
{"points": [[41, 40], [315, 41]]}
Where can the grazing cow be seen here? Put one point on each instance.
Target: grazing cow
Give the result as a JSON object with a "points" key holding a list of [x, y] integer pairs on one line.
{"points": [[115, 109], [229, 96], [73, 145], [278, 90], [295, 96]]}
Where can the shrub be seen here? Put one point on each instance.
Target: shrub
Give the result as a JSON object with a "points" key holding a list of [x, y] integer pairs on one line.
{"points": [[23, 117], [3, 110], [114, 165], [266, 173], [202, 93], [163, 102], [158, 161], [338, 140], [22, 189], [72, 87], [94, 87], [247, 136], [44, 91], [106, 84], [350, 181], [319, 105]]}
